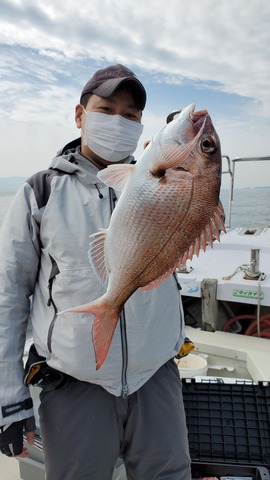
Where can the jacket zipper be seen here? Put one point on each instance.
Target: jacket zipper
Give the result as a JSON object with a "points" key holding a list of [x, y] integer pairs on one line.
{"points": [[123, 329]]}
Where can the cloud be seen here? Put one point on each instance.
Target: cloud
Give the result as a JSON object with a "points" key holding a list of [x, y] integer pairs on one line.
{"points": [[198, 40], [193, 51]]}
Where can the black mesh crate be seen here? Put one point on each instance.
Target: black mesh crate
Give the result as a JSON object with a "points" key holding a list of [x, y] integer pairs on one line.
{"points": [[200, 470], [228, 423]]}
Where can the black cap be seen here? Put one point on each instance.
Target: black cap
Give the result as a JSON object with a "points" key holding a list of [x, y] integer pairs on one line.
{"points": [[104, 82], [171, 115]]}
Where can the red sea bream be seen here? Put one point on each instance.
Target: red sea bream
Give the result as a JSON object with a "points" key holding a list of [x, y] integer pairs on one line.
{"points": [[168, 210]]}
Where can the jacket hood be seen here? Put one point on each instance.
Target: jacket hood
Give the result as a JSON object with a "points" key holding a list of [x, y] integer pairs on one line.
{"points": [[71, 160]]}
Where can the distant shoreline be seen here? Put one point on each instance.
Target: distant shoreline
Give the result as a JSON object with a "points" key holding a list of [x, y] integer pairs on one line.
{"points": [[11, 184], [225, 189]]}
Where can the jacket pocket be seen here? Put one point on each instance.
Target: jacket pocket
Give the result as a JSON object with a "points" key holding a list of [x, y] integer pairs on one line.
{"points": [[54, 271], [69, 335]]}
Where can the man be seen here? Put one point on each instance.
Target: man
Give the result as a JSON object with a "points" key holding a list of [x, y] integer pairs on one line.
{"points": [[132, 406]]}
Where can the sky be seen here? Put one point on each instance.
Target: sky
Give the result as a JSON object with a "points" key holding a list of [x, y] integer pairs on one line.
{"points": [[214, 53]]}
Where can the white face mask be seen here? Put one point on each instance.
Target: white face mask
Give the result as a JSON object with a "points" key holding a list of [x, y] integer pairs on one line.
{"points": [[111, 137]]}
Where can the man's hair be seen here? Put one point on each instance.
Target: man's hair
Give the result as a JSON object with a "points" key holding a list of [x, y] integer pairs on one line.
{"points": [[85, 98]]}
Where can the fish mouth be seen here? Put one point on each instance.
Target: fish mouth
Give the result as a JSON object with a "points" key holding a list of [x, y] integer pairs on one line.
{"points": [[196, 119], [195, 116], [201, 119]]}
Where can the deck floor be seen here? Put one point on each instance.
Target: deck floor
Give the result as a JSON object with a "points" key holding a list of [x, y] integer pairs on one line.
{"points": [[9, 468]]}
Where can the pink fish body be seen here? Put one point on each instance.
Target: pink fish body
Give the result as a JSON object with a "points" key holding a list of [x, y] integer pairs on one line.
{"points": [[169, 209]]}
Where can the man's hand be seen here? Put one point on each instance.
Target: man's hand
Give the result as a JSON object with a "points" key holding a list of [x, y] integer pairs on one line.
{"points": [[11, 437]]}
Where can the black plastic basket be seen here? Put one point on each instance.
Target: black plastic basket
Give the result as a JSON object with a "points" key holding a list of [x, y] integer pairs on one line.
{"points": [[222, 470], [228, 423]]}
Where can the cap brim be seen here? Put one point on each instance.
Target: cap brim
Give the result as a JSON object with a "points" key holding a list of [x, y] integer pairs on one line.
{"points": [[106, 89]]}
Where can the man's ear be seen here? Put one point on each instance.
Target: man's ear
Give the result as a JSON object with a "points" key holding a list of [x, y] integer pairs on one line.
{"points": [[78, 115]]}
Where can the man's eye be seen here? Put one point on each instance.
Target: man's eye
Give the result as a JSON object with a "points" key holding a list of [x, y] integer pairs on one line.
{"points": [[131, 116]]}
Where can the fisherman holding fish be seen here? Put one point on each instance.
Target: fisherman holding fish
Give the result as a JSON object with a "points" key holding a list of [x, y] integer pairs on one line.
{"points": [[110, 387]]}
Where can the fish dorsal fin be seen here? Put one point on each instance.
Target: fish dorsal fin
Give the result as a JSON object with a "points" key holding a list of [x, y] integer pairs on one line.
{"points": [[171, 156], [158, 281], [210, 233], [116, 176], [96, 255]]}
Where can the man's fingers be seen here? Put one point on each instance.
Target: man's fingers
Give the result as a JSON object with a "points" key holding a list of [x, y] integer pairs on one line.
{"points": [[11, 437], [24, 453], [30, 437]]}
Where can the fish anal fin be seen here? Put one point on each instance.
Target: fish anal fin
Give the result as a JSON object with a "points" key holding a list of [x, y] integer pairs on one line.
{"points": [[96, 255], [116, 176], [86, 308], [158, 281]]}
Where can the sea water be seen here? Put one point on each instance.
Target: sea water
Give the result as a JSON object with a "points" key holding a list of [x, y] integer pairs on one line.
{"points": [[250, 206], [5, 200]]}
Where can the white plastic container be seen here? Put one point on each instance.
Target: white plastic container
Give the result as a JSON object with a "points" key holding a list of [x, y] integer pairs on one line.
{"points": [[192, 365]]}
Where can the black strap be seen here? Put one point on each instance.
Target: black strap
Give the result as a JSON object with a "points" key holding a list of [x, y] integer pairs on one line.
{"points": [[8, 410]]}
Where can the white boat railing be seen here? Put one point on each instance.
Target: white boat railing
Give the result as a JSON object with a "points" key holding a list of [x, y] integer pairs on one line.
{"points": [[231, 164]]}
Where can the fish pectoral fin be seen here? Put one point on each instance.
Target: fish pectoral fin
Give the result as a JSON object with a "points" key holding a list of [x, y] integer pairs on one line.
{"points": [[102, 333], [158, 281], [96, 256], [116, 176]]}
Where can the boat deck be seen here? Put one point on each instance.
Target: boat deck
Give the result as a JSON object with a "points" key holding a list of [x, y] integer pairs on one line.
{"points": [[234, 356], [9, 468], [222, 261]]}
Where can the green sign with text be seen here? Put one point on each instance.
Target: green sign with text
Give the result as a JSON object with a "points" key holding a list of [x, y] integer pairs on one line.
{"points": [[248, 294]]}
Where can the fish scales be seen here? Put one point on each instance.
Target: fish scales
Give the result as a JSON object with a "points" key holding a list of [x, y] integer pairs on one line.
{"points": [[169, 209]]}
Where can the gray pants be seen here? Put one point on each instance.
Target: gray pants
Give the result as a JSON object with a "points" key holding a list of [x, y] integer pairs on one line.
{"points": [[85, 430]]}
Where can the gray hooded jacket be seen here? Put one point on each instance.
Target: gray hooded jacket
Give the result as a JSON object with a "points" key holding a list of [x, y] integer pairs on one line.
{"points": [[44, 269]]}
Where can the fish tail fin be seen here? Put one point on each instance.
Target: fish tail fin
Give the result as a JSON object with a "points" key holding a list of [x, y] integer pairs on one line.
{"points": [[103, 329], [104, 326]]}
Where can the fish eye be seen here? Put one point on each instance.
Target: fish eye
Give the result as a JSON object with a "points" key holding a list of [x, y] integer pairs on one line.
{"points": [[208, 145]]}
